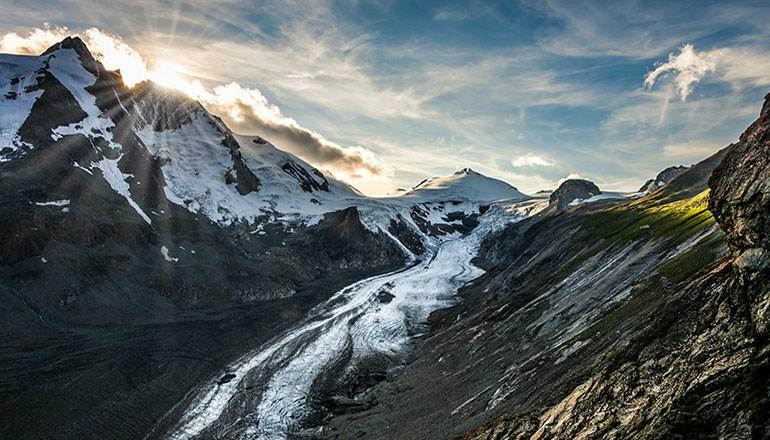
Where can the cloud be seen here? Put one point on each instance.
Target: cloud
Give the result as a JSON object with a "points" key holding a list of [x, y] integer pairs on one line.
{"points": [[116, 55], [35, 42], [531, 160], [737, 66], [687, 67], [245, 110], [248, 111]]}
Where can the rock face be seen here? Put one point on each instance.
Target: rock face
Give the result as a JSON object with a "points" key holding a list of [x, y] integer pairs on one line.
{"points": [[740, 186], [740, 201], [662, 179], [571, 190]]}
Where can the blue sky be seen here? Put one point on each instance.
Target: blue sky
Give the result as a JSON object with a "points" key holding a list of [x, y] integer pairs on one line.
{"points": [[530, 92]]}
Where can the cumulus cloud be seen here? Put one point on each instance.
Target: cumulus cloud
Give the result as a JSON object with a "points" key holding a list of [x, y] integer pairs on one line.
{"points": [[246, 110], [531, 160], [687, 67]]}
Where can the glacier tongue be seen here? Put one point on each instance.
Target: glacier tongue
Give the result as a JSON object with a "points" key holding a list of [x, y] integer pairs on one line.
{"points": [[269, 393]]}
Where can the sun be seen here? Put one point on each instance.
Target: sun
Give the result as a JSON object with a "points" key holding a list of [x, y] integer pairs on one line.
{"points": [[173, 76], [168, 75]]}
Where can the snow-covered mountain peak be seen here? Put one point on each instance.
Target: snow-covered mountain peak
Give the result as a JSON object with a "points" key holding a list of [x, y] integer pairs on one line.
{"points": [[465, 184], [65, 96], [70, 42]]}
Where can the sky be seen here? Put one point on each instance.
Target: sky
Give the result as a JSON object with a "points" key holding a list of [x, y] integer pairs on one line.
{"points": [[383, 94]]}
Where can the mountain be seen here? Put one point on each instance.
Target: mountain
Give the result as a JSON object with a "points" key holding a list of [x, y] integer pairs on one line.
{"points": [[164, 277], [646, 318], [573, 191], [464, 184], [146, 245], [661, 179]]}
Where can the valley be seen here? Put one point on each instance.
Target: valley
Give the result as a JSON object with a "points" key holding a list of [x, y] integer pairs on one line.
{"points": [[164, 277]]}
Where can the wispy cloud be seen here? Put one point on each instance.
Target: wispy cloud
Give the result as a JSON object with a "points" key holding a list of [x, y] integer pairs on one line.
{"points": [[737, 66], [687, 67], [693, 150]]}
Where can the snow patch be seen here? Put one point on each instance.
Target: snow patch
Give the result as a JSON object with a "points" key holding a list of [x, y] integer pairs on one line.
{"points": [[603, 196], [116, 179], [60, 203]]}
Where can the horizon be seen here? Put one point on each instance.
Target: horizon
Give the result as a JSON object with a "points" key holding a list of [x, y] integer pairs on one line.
{"points": [[528, 94]]}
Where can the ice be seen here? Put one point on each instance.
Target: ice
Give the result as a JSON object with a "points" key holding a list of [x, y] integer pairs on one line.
{"points": [[352, 319]]}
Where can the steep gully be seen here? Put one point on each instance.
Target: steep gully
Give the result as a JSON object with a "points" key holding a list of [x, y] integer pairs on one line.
{"points": [[271, 392]]}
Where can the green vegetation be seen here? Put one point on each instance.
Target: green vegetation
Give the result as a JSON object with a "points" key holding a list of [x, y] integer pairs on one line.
{"points": [[648, 217]]}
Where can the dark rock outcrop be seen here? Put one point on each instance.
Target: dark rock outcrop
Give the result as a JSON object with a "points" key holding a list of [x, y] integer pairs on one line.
{"points": [[662, 179], [740, 201], [571, 190]]}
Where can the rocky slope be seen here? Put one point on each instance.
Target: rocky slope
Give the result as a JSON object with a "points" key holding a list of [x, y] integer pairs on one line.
{"points": [[634, 320]]}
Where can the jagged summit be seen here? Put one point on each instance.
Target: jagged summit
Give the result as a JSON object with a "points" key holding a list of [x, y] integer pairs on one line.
{"points": [[81, 49], [75, 43]]}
